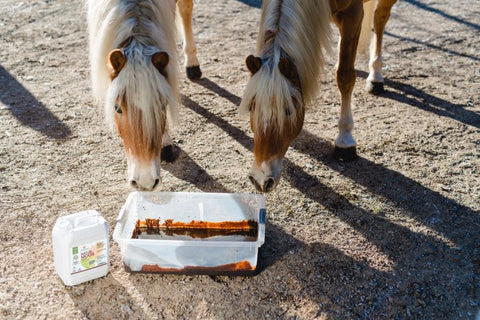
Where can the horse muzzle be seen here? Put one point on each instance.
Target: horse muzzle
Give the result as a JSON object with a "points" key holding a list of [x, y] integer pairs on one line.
{"points": [[267, 185], [144, 176], [266, 176]]}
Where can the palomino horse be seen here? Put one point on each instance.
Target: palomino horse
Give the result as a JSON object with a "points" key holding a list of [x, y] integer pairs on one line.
{"points": [[134, 73], [291, 44]]}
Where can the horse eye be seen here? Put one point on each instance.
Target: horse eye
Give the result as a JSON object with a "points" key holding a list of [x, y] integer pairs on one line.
{"points": [[118, 109]]}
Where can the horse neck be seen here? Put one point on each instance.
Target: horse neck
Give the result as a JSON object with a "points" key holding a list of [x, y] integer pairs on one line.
{"points": [[300, 31], [113, 24], [150, 23]]}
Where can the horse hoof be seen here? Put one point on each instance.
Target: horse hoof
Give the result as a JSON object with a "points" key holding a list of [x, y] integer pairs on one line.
{"points": [[375, 88], [345, 154], [194, 73], [168, 154]]}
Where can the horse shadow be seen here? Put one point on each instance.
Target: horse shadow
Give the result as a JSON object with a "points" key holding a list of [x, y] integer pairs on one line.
{"points": [[408, 94], [429, 272], [212, 86], [442, 14], [28, 110], [234, 132], [425, 265], [429, 45], [186, 169], [446, 216], [436, 261], [253, 3]]}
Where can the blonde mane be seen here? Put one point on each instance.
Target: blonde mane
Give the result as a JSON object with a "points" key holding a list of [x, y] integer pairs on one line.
{"points": [[301, 32], [148, 26]]}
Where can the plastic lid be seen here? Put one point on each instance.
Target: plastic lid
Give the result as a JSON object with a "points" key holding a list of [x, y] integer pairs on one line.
{"points": [[63, 225]]}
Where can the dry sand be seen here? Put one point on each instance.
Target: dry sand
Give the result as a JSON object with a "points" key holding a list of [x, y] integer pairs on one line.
{"points": [[393, 235]]}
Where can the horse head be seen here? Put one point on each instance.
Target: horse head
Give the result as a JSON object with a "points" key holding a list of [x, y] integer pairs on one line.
{"points": [[137, 102], [274, 99]]}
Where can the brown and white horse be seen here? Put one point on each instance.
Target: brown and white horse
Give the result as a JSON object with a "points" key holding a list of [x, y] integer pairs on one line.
{"points": [[291, 44], [132, 51]]}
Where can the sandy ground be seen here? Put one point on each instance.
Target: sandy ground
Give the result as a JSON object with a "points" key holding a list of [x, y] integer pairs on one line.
{"points": [[393, 235]]}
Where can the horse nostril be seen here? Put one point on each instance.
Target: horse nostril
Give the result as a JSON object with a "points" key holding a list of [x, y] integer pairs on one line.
{"points": [[254, 182], [134, 184], [268, 186], [156, 183]]}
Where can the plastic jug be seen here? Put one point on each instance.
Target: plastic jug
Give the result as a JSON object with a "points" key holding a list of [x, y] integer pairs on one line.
{"points": [[81, 247]]}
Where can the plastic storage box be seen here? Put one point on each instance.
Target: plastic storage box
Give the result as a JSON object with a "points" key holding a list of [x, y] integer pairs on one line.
{"points": [[184, 253]]}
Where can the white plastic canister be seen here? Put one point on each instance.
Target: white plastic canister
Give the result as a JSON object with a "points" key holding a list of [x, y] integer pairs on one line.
{"points": [[80, 247]]}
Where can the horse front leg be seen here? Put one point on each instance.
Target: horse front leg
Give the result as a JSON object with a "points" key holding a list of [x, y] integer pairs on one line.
{"points": [[349, 23], [375, 79], [185, 8]]}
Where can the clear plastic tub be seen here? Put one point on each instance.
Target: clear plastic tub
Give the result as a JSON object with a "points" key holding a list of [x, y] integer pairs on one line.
{"points": [[183, 253]]}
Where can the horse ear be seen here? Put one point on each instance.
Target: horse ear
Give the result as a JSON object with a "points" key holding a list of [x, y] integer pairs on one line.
{"points": [[116, 60], [253, 64], [288, 69], [160, 61]]}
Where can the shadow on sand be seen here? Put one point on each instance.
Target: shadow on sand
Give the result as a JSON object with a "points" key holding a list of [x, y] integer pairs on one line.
{"points": [[417, 98], [28, 110]]}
